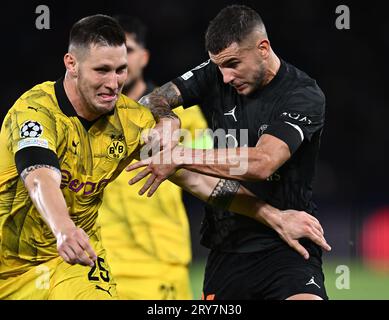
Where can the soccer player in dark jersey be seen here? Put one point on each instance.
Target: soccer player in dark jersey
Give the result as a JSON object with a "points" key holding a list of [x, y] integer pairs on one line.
{"points": [[276, 112]]}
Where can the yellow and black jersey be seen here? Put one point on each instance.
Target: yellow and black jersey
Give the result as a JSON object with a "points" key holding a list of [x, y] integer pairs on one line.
{"points": [[141, 232], [43, 123]]}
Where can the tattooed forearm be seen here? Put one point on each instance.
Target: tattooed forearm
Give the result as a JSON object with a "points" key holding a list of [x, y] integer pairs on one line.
{"points": [[30, 169], [223, 193], [162, 100]]}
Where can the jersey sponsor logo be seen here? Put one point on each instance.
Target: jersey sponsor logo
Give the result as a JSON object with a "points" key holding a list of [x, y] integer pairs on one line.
{"points": [[189, 74], [297, 117], [31, 129], [77, 186], [312, 281], [231, 113], [117, 148], [32, 142]]}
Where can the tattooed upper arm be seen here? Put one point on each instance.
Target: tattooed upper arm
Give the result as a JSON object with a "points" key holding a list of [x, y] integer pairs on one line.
{"points": [[172, 94], [30, 169], [162, 100]]}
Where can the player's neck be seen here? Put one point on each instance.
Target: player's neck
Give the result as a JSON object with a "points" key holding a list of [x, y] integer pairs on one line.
{"points": [[273, 65], [136, 89]]}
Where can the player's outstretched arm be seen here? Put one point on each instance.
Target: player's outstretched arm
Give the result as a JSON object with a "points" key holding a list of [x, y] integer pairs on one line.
{"points": [[245, 164], [291, 225], [43, 184]]}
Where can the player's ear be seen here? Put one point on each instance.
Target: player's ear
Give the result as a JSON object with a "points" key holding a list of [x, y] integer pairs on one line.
{"points": [[263, 45], [70, 62], [145, 58]]}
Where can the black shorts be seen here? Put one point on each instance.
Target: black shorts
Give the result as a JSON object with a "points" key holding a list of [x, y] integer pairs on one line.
{"points": [[273, 274]]}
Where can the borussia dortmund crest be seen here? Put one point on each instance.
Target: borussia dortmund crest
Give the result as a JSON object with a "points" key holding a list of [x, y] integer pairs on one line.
{"points": [[117, 149]]}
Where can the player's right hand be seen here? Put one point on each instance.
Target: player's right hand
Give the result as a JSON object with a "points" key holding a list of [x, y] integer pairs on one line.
{"points": [[300, 224], [74, 247]]}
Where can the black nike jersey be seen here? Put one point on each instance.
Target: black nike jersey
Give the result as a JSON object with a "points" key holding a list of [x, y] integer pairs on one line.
{"points": [[290, 107]]}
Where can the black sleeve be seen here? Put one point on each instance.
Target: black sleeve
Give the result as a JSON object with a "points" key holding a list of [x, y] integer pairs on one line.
{"points": [[195, 84], [290, 135], [31, 156], [299, 117]]}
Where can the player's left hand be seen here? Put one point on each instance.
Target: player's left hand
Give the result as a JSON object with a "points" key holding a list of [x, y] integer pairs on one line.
{"points": [[300, 224]]}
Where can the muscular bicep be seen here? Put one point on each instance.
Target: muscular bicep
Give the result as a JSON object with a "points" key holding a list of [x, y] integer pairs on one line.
{"points": [[276, 151]]}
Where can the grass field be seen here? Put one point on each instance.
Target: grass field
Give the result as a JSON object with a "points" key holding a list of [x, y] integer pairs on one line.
{"points": [[362, 283]]}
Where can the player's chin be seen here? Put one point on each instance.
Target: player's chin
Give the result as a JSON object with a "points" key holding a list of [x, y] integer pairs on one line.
{"points": [[245, 91], [105, 107]]}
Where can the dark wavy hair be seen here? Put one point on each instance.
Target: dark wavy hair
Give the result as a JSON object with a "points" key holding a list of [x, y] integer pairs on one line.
{"points": [[232, 24]]}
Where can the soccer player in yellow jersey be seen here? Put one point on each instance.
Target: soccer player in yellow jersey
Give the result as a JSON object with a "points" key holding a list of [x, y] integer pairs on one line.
{"points": [[61, 143], [147, 239]]}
